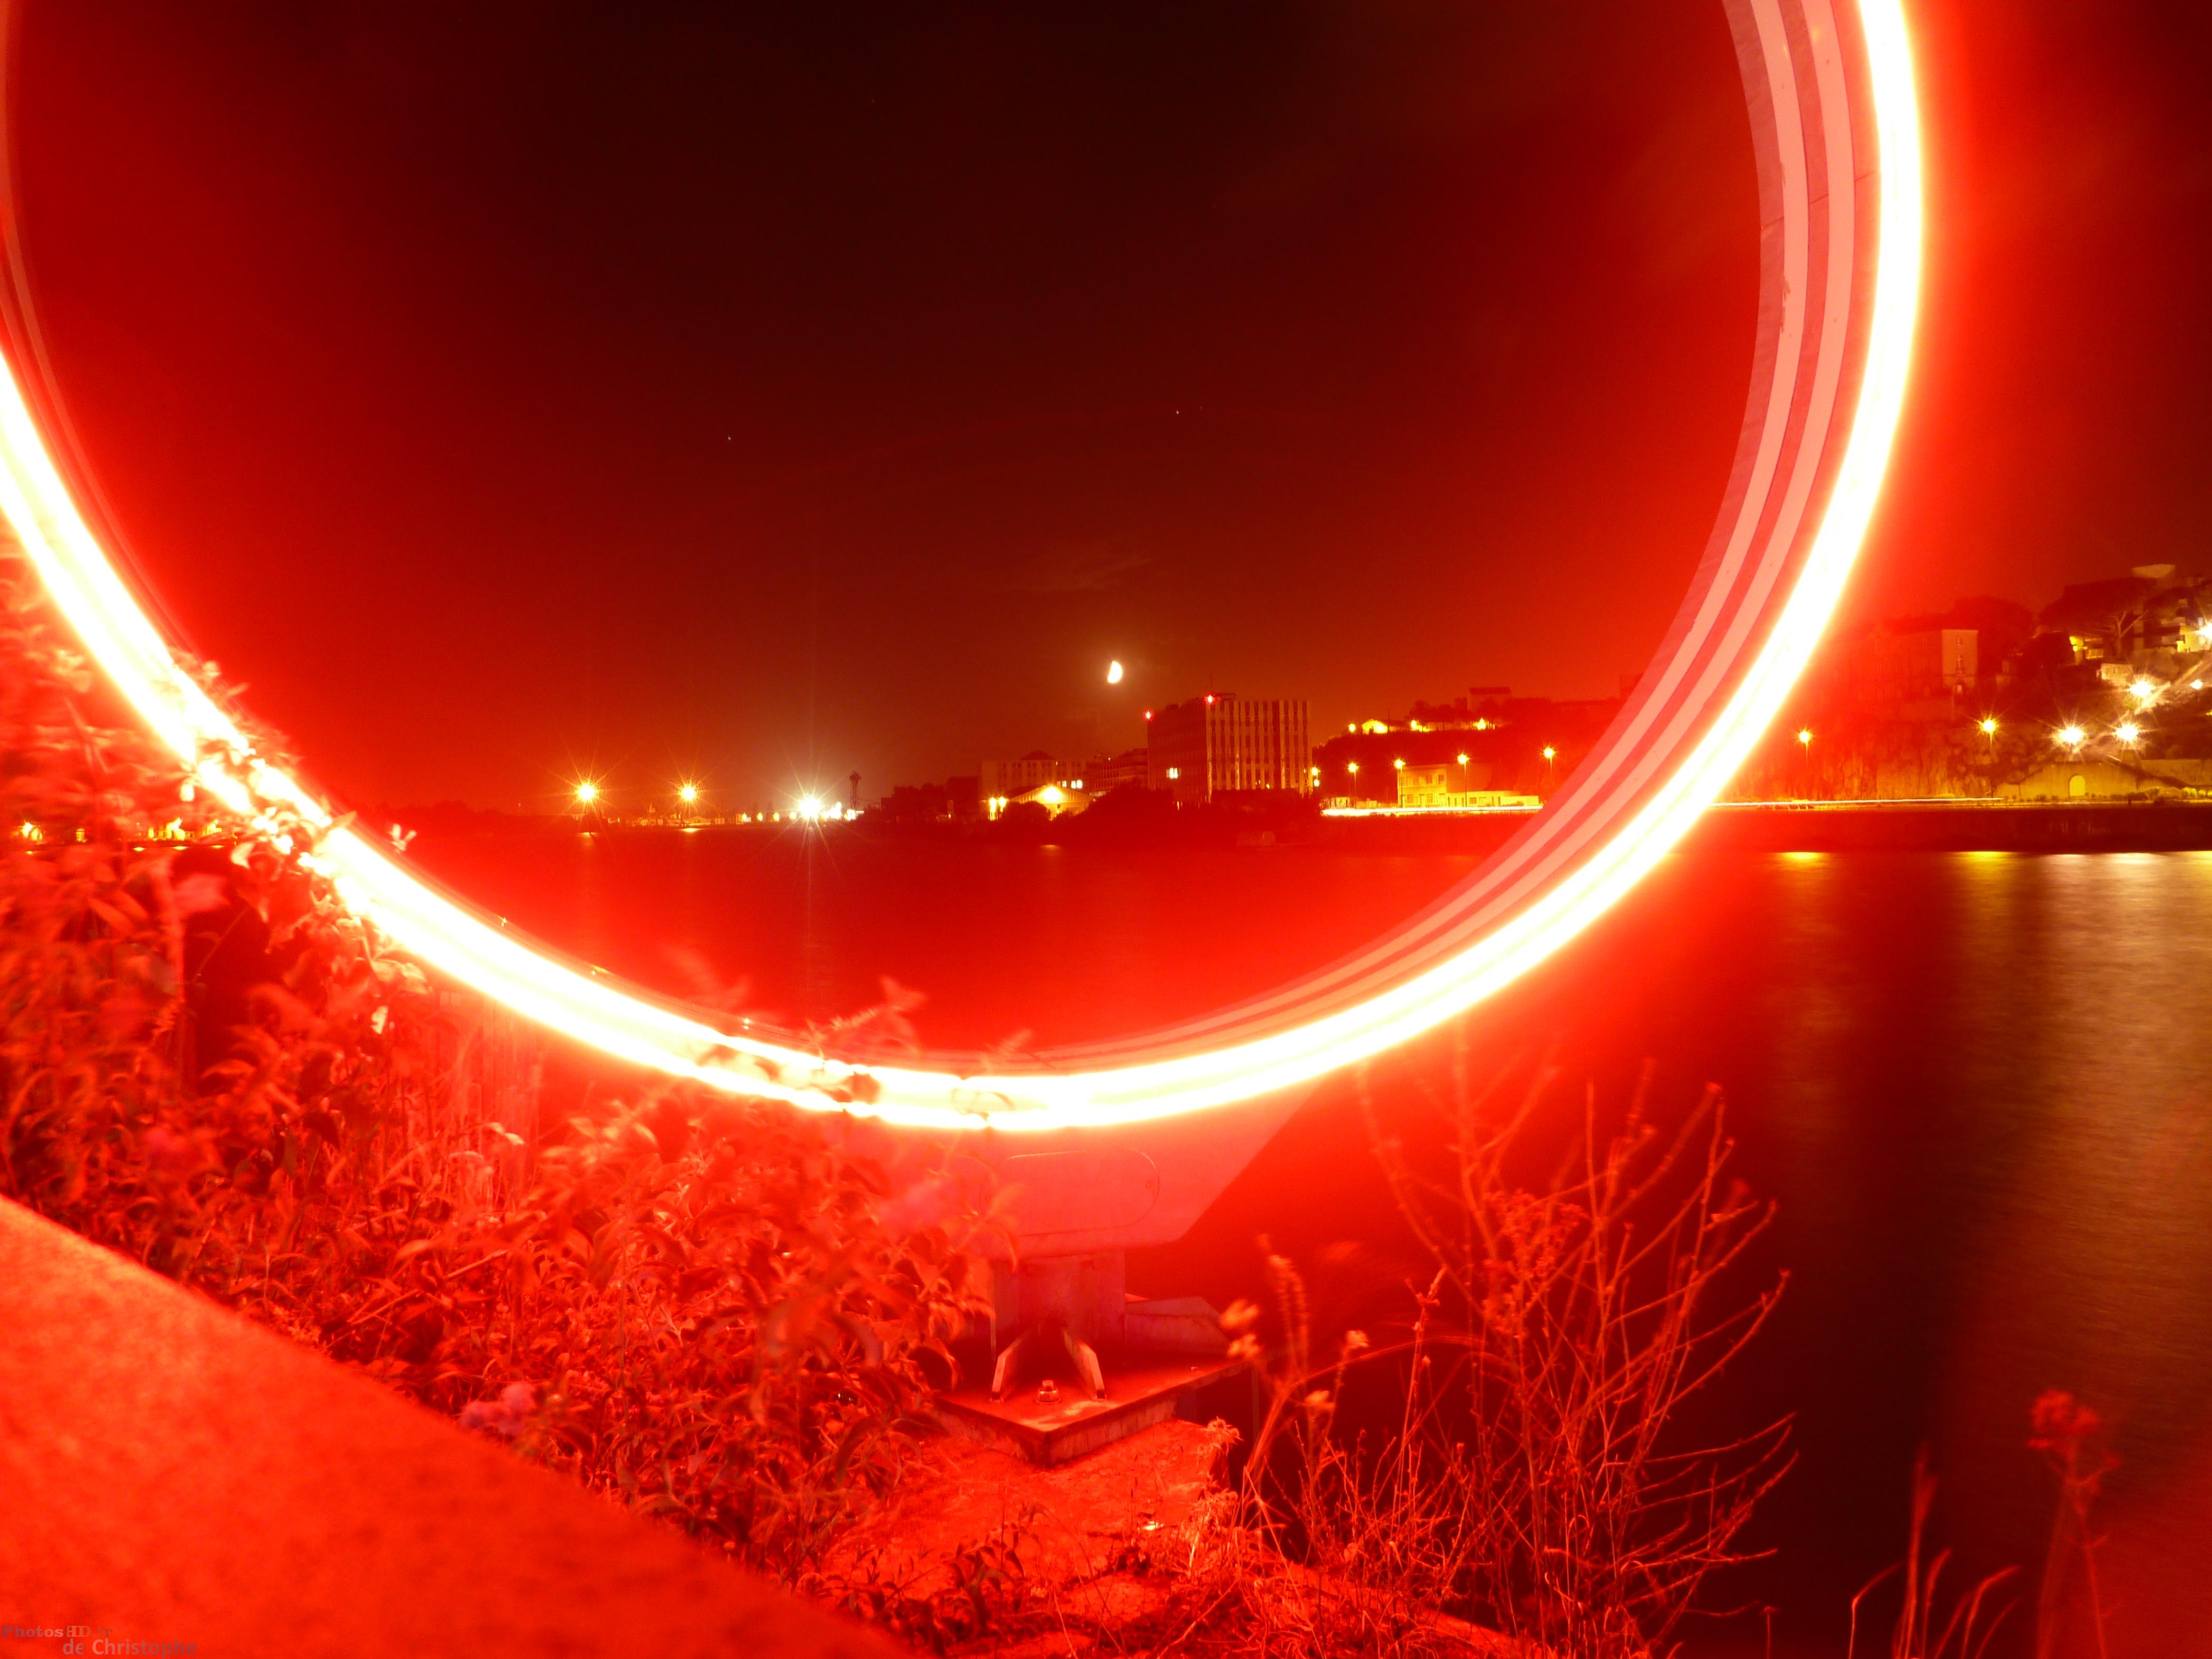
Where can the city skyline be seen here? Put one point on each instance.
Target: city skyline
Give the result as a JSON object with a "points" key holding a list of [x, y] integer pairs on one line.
{"points": [[1308, 391], [1974, 646]]}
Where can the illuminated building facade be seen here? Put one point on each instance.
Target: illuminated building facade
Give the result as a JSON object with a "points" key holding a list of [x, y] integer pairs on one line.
{"points": [[1454, 786], [1004, 780], [1103, 774], [1222, 743]]}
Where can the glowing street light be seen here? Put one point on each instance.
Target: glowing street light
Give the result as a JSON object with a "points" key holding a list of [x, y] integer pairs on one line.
{"points": [[1550, 754], [1400, 764], [1114, 673], [1805, 736], [588, 793], [1463, 760], [1352, 767], [810, 808], [689, 794], [2071, 736], [2144, 689], [2127, 731]]}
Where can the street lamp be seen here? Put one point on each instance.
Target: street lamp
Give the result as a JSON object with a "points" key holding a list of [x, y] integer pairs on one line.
{"points": [[588, 793], [2128, 731], [2071, 736], [689, 794]]}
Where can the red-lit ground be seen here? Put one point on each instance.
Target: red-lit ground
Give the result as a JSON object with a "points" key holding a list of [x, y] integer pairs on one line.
{"points": [[175, 1474]]}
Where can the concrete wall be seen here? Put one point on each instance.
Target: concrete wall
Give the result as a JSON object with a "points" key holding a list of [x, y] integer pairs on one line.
{"points": [[170, 1473], [2110, 780]]}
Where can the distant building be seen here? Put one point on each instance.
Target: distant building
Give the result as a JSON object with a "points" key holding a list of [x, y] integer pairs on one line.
{"points": [[1002, 781], [1102, 773], [921, 802], [1913, 661], [1450, 787], [1222, 743], [2143, 619], [1491, 743], [1058, 800]]}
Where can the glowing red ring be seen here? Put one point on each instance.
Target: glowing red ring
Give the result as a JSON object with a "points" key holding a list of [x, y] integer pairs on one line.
{"points": [[1835, 124]]}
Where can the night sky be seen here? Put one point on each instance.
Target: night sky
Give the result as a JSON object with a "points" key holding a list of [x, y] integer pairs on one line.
{"points": [[503, 392]]}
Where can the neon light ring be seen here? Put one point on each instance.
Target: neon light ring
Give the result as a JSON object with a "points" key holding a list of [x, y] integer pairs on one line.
{"points": [[1157, 1123]]}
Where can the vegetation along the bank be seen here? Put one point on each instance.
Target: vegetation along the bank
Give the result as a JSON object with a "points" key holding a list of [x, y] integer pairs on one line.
{"points": [[729, 1314]]}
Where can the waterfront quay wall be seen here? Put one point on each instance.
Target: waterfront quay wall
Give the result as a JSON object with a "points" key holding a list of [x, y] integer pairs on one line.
{"points": [[1962, 827], [1965, 826]]}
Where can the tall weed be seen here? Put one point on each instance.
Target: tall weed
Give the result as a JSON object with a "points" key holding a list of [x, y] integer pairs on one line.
{"points": [[714, 1309]]}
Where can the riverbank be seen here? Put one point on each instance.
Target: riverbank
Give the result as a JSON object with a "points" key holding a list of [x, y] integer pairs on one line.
{"points": [[1965, 826], [1934, 826], [1931, 826]]}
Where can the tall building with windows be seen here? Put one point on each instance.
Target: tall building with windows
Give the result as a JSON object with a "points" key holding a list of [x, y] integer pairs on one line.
{"points": [[1222, 743], [1004, 780]]}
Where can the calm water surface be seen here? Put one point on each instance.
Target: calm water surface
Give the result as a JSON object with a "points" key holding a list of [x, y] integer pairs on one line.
{"points": [[1979, 1087]]}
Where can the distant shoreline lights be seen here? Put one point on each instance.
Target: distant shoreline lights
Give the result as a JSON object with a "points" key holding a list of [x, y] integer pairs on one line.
{"points": [[1830, 386]]}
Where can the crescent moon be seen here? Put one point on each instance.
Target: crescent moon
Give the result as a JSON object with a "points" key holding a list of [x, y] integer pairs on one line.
{"points": [[1829, 84]]}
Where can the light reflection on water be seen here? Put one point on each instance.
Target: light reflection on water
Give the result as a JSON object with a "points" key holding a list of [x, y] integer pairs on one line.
{"points": [[1978, 1085], [2045, 1023]]}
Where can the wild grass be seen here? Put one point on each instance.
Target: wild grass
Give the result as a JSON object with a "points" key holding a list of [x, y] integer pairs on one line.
{"points": [[1926, 1627], [709, 1308], [1535, 1487], [713, 1310], [2070, 1439], [721, 1313]]}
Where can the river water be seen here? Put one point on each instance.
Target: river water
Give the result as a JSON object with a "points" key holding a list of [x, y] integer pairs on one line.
{"points": [[1978, 1086]]}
